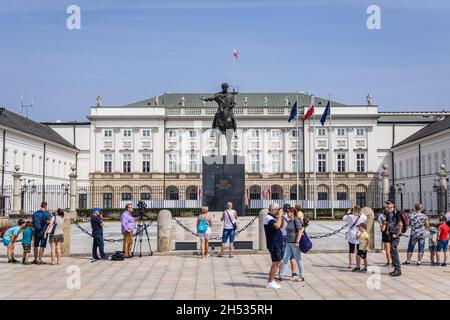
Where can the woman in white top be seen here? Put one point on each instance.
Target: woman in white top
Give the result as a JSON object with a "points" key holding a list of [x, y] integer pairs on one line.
{"points": [[55, 230], [353, 218]]}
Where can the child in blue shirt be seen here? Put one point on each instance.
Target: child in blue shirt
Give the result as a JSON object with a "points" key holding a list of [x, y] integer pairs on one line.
{"points": [[27, 237], [10, 238]]}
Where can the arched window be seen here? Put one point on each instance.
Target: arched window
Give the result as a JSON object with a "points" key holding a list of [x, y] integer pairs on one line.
{"points": [[192, 193], [322, 192], [145, 193], [276, 192], [255, 192], [293, 192], [361, 193], [342, 192], [172, 193]]}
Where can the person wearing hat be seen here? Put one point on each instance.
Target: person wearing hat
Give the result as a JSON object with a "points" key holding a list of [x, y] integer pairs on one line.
{"points": [[97, 234]]}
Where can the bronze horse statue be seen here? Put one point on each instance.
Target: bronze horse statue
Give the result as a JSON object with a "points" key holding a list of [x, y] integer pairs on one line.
{"points": [[224, 119]]}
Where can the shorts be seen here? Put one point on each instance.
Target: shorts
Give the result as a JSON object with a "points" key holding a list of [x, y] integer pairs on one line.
{"points": [[276, 254], [57, 238], [412, 244], [362, 254], [39, 240], [228, 233], [432, 249], [352, 247], [6, 242], [442, 245], [205, 235], [385, 237], [26, 248]]}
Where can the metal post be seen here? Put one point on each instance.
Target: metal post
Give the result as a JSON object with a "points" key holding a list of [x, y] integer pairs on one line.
{"points": [[16, 190], [442, 191], [72, 214]]}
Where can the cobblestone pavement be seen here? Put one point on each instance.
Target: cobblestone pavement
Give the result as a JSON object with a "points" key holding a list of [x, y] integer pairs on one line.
{"points": [[242, 277]]}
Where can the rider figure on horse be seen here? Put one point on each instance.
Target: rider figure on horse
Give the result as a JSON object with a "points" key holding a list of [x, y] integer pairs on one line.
{"points": [[225, 102]]}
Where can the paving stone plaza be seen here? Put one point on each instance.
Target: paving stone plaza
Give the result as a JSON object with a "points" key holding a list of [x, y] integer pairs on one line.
{"points": [[238, 278]]}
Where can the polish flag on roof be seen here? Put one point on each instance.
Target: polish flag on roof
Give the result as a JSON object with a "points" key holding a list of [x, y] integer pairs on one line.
{"points": [[310, 111]]}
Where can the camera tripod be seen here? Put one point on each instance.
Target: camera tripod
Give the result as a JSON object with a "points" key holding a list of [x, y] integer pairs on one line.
{"points": [[140, 230]]}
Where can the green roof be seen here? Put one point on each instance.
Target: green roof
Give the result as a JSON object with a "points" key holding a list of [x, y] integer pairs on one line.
{"points": [[419, 117], [192, 100]]}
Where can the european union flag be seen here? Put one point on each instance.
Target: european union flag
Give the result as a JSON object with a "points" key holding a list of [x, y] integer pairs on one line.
{"points": [[326, 113], [293, 112]]}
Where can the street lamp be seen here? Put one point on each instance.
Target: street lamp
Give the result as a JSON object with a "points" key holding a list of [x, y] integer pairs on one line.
{"points": [[400, 191]]}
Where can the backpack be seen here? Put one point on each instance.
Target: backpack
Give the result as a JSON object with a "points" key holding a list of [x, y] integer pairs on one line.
{"points": [[2, 233], [405, 221], [202, 226], [39, 222], [118, 256]]}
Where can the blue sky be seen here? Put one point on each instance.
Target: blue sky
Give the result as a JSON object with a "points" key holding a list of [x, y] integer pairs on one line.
{"points": [[131, 50]]}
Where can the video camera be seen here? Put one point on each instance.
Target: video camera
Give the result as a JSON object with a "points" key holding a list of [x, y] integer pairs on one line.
{"points": [[141, 206]]}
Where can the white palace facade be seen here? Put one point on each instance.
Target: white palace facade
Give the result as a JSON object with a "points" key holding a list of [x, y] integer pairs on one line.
{"points": [[153, 149]]}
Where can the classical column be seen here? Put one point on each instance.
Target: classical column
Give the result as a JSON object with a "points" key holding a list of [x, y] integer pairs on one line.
{"points": [[72, 214], [16, 190], [285, 149], [442, 194], [385, 176]]}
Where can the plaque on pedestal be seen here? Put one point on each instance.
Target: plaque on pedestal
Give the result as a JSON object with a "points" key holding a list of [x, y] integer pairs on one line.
{"points": [[224, 181]]}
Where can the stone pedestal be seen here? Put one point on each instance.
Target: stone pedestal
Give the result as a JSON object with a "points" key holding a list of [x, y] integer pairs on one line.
{"points": [[262, 235], [72, 214], [164, 231], [224, 181]]}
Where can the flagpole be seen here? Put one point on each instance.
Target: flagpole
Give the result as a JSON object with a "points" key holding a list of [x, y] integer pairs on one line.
{"points": [[314, 166], [331, 162], [298, 153]]}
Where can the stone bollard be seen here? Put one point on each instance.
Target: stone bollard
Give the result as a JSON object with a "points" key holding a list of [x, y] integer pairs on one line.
{"points": [[370, 225], [262, 235], [164, 234]]}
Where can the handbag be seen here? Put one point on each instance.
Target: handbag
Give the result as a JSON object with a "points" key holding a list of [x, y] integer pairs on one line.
{"points": [[231, 220], [305, 243]]}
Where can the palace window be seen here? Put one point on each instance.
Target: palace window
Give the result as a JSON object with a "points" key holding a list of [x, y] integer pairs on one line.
{"points": [[172, 134], [295, 133], [254, 133], [107, 200], [107, 163], [275, 133], [295, 162], [193, 162], [146, 162], [255, 163], [126, 163], [126, 133], [340, 132], [107, 133], [146, 196], [126, 196], [361, 162], [360, 132], [321, 162], [341, 163], [192, 134], [321, 132], [173, 163], [146, 133], [276, 167]]}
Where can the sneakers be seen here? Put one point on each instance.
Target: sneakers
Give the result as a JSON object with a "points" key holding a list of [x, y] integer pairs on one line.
{"points": [[419, 263], [434, 264], [294, 275], [13, 261], [356, 269], [443, 265], [272, 285], [395, 273], [363, 270], [406, 262]]}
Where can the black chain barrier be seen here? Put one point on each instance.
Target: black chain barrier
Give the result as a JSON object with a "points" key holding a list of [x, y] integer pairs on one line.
{"points": [[329, 234], [140, 231], [213, 238]]}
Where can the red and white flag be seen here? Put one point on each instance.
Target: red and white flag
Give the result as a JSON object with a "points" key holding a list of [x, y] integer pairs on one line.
{"points": [[235, 54], [310, 111]]}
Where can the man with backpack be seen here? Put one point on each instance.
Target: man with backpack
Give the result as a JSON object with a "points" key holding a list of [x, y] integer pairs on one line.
{"points": [[40, 220], [397, 225]]}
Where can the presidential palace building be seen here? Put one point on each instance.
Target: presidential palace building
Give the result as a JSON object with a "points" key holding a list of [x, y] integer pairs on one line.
{"points": [[152, 149]]}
